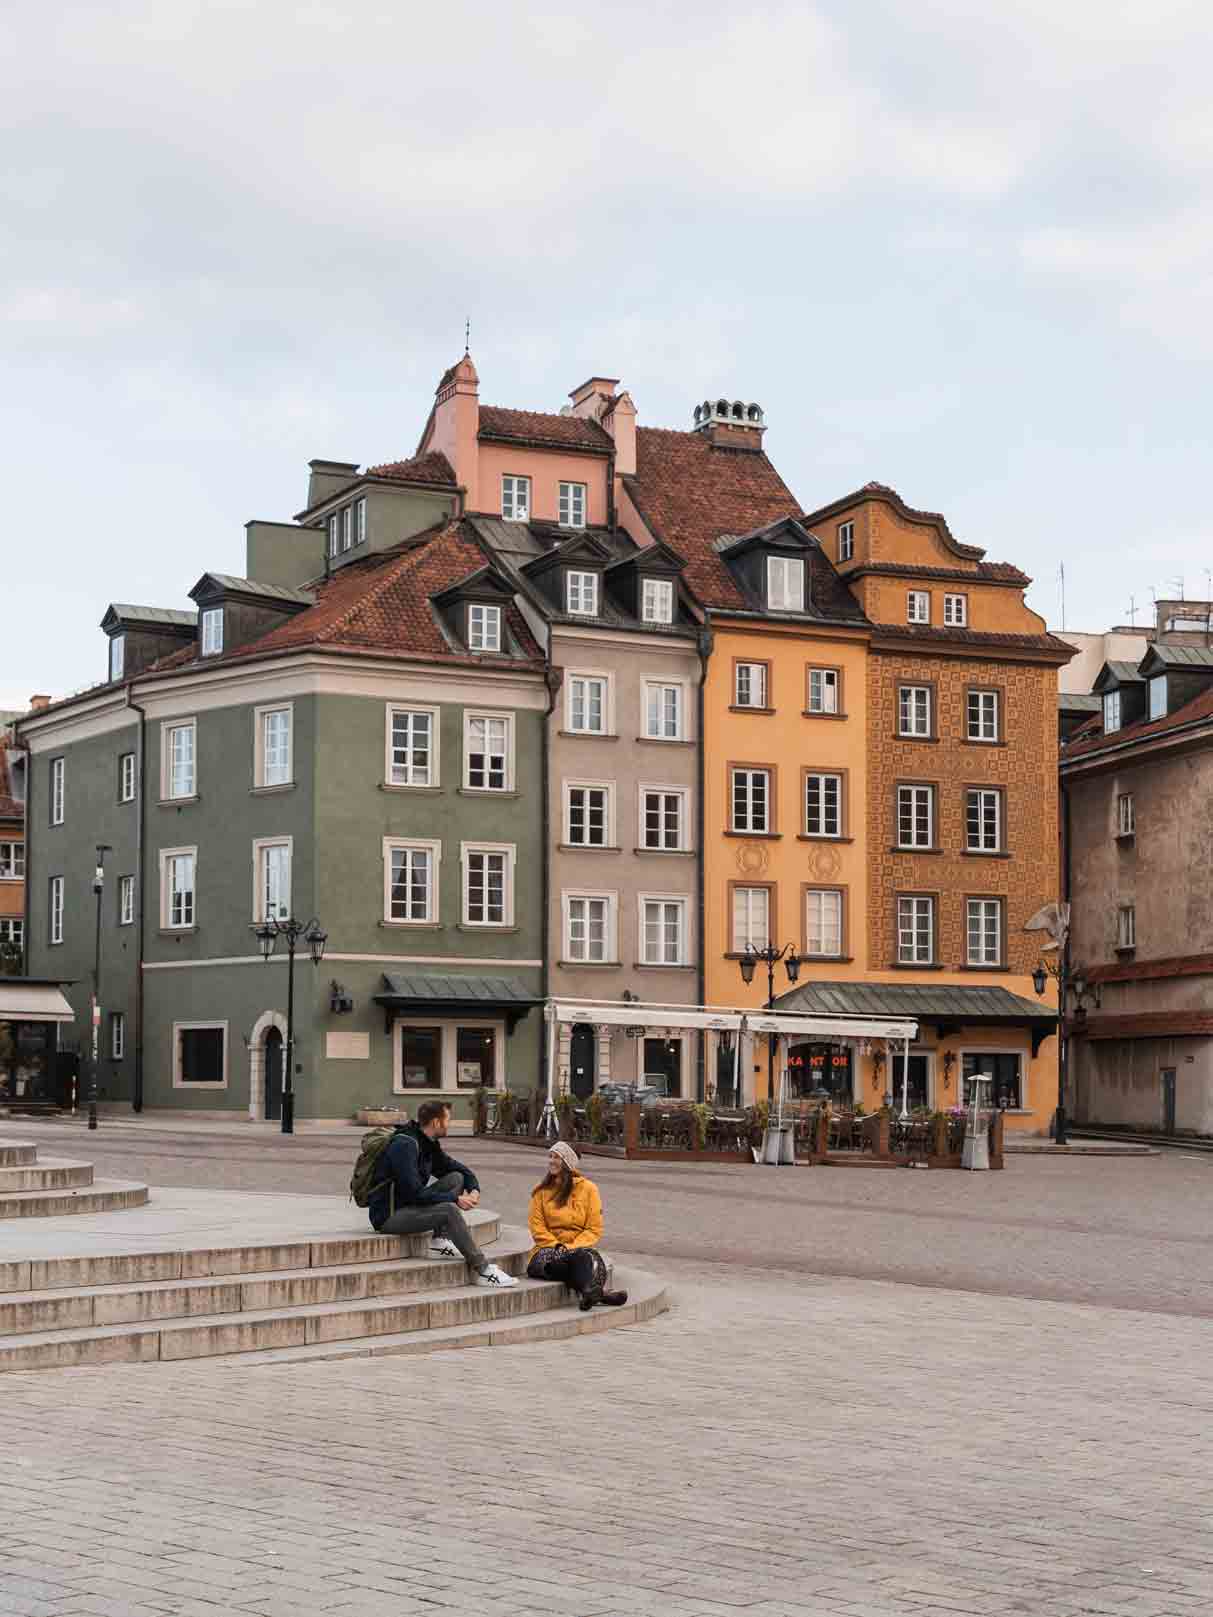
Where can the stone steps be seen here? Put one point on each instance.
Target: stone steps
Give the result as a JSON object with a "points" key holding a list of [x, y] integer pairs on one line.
{"points": [[102, 1196], [51, 1173], [17, 1153]]}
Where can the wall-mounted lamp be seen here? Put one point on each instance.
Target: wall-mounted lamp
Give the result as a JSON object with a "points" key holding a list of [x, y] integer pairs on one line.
{"points": [[949, 1062]]}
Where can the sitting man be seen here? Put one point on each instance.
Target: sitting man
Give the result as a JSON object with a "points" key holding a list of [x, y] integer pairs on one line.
{"points": [[421, 1188]]}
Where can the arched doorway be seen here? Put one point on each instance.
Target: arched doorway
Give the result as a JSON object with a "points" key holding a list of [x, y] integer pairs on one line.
{"points": [[582, 1060], [272, 1058]]}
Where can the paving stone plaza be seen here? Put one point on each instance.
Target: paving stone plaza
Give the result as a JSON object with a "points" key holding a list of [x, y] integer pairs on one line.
{"points": [[874, 1393]]}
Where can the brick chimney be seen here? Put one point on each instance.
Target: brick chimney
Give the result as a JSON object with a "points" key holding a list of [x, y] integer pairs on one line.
{"points": [[730, 425], [593, 397], [37, 703]]}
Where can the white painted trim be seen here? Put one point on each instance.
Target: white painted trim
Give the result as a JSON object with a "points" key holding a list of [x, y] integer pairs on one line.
{"points": [[259, 713], [610, 942], [1025, 1066], [181, 1083], [609, 834], [684, 816], [608, 705], [510, 850], [260, 844], [435, 717], [684, 707], [433, 903], [256, 1060], [683, 900], [488, 713], [165, 924], [166, 766], [498, 963], [448, 1052]]}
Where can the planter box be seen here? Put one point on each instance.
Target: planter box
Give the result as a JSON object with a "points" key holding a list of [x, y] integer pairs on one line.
{"points": [[380, 1117]]}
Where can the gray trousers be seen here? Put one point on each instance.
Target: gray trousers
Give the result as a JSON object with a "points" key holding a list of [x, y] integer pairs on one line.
{"points": [[443, 1218]]}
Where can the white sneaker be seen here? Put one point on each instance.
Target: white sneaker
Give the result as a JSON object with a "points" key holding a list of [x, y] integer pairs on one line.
{"points": [[493, 1276], [443, 1249]]}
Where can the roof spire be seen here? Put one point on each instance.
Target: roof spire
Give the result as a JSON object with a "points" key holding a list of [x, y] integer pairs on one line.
{"points": [[467, 337]]}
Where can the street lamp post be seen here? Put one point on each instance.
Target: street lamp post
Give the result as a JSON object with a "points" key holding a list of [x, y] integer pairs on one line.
{"points": [[772, 956], [95, 1065], [1071, 983], [312, 934]]}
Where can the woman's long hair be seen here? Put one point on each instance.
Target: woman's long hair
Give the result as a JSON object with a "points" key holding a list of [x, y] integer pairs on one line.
{"points": [[559, 1181]]}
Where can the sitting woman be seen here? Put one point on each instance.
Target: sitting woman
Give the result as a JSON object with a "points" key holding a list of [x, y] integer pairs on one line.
{"points": [[565, 1220]]}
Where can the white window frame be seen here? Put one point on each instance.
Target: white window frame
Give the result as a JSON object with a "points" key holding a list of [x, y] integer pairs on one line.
{"points": [[260, 716], [956, 611], [571, 504], [347, 528], [648, 687], [126, 777], [682, 793], [212, 631], [785, 577], [823, 775], [914, 796], [827, 682], [1126, 815], [749, 814], [166, 760], [117, 1035], [12, 863], [448, 1059], [1025, 1068], [183, 1083], [1111, 711], [679, 900], [58, 789], [55, 906], [610, 942], [510, 852], [989, 703], [432, 901], [392, 711], [117, 656], [586, 676], [915, 900], [980, 846], [126, 900], [759, 679], [1157, 687], [983, 906], [918, 606], [515, 497], [656, 600], [608, 826], [166, 923], [846, 541], [360, 520], [738, 945], [837, 894], [1126, 926], [476, 714], [12, 930], [333, 527], [581, 592], [261, 846], [914, 716], [485, 626]]}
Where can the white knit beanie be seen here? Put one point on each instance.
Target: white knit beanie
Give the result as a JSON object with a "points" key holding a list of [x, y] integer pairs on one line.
{"points": [[567, 1155]]}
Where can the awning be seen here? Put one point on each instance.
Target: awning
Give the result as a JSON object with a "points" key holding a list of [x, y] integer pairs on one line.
{"points": [[728, 1019], [946, 1006], [478, 998], [22, 1001]]}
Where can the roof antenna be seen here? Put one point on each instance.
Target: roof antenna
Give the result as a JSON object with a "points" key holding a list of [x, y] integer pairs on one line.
{"points": [[1061, 581], [1132, 610], [467, 338]]}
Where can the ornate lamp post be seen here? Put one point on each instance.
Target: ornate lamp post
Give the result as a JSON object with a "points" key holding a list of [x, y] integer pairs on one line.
{"points": [[95, 1065], [312, 934], [748, 963], [1071, 984]]}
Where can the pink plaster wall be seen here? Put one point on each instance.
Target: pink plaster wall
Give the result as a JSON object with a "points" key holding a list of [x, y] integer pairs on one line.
{"points": [[546, 468]]}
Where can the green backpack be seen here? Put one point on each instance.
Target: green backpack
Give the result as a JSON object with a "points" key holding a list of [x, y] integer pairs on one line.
{"points": [[365, 1178]]}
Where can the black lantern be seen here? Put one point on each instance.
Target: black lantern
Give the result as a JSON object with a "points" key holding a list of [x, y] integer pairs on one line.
{"points": [[792, 966], [316, 940], [747, 963], [1039, 978], [267, 936]]}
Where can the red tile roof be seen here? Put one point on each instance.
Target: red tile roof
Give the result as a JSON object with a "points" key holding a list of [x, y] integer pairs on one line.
{"points": [[993, 572], [1083, 742], [548, 431], [976, 637], [11, 809], [432, 467]]}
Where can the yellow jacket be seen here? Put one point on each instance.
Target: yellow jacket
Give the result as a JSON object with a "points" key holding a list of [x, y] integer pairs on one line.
{"points": [[577, 1223]]}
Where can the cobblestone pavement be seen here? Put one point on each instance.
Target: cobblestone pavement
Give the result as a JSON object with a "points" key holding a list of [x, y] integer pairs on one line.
{"points": [[784, 1441]]}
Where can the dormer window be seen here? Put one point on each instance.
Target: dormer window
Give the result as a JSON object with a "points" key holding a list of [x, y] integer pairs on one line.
{"points": [[581, 593], [918, 606], [1158, 696], [572, 505], [785, 583], [117, 655], [846, 541], [484, 627], [1111, 712], [516, 498], [212, 631], [657, 601], [334, 527]]}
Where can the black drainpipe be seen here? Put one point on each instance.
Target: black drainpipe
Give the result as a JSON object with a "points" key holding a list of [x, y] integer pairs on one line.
{"points": [[29, 864], [553, 677], [140, 893], [704, 648]]}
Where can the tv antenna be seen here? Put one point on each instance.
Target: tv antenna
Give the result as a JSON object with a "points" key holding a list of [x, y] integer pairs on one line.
{"points": [[1131, 609]]}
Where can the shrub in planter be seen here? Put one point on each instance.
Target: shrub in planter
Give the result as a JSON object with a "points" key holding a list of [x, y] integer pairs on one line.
{"points": [[701, 1116], [595, 1111]]}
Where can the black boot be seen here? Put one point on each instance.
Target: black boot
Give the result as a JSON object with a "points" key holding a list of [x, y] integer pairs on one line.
{"points": [[589, 1298], [614, 1299]]}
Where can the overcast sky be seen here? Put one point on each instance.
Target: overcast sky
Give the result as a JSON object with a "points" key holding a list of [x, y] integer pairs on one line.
{"points": [[966, 250]]}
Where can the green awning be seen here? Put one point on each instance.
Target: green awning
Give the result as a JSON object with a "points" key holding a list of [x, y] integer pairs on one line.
{"points": [[946, 1006], [480, 998]]}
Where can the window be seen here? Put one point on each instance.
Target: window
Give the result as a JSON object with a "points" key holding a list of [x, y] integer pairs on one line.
{"points": [[657, 601], [12, 932], [410, 873], [488, 761], [984, 931], [822, 805], [915, 931], [915, 816], [212, 631], [360, 521], [823, 921], [587, 930], [1126, 927], [1158, 697], [179, 776], [177, 887], [347, 528], [516, 498], [421, 1058], [274, 764], [572, 505], [750, 685], [126, 900], [447, 1056], [587, 814], [918, 606], [488, 885], [587, 704], [117, 655], [117, 1035], [846, 541], [785, 583], [983, 821], [126, 778], [57, 791], [823, 690], [662, 814], [1111, 711], [272, 879], [12, 861], [956, 610], [750, 794], [1126, 819], [334, 528], [412, 759], [662, 931], [751, 918], [581, 593], [56, 909], [475, 1058], [1004, 1067], [982, 709], [914, 710], [200, 1054], [484, 627], [663, 712]]}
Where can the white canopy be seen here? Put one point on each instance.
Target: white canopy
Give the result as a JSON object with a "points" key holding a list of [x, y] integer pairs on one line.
{"points": [[33, 1002], [611, 1013]]}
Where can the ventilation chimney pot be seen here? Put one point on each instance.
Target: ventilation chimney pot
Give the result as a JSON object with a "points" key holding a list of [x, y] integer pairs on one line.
{"points": [[730, 423]]}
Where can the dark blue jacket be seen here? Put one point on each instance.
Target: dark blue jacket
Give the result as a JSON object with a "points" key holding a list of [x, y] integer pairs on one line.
{"points": [[410, 1161]]}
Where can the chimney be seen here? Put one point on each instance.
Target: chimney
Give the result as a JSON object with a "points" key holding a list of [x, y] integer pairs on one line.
{"points": [[730, 425], [593, 396], [37, 703], [325, 477], [620, 422], [455, 424]]}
